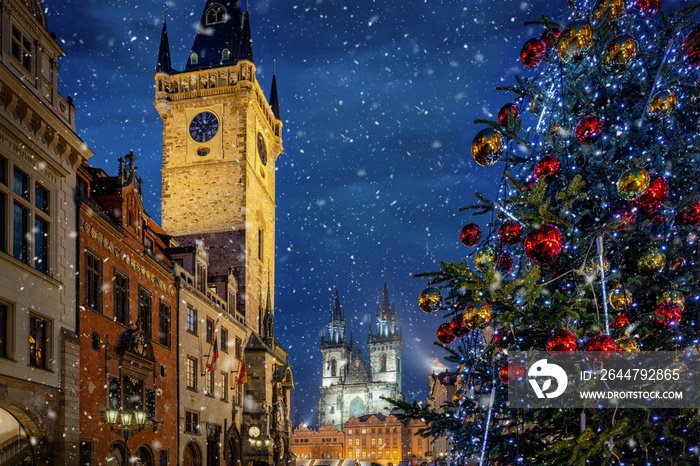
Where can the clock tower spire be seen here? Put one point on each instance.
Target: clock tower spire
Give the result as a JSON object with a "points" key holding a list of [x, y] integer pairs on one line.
{"points": [[221, 140]]}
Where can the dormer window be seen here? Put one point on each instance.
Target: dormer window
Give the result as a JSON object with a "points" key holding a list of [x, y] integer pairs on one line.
{"points": [[194, 59], [201, 276], [225, 55], [215, 14]]}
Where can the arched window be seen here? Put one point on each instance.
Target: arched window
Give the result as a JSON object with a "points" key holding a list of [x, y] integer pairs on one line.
{"points": [[216, 14], [333, 367], [225, 54], [383, 366], [194, 59]]}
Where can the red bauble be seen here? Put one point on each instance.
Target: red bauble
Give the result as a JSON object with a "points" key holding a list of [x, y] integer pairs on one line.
{"points": [[691, 47], [548, 167], [470, 235], [533, 52], [457, 326], [498, 335], [507, 109], [444, 335], [691, 215], [527, 186], [620, 321], [516, 373], [668, 314], [550, 38], [588, 129], [649, 7], [600, 342], [626, 220], [544, 244], [505, 263], [510, 232], [655, 195], [562, 340]]}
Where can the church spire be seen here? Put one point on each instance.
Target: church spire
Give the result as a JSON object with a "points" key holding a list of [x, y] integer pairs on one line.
{"points": [[163, 65], [274, 98], [245, 51], [218, 36]]}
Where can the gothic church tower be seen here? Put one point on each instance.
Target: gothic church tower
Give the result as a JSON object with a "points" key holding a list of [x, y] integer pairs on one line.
{"points": [[221, 140], [386, 345]]}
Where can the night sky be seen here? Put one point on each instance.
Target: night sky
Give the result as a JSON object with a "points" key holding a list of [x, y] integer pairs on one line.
{"points": [[378, 102]]}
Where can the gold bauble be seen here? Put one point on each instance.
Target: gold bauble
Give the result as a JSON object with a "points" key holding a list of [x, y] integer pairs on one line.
{"points": [[627, 345], [457, 397], [633, 183], [662, 104], [469, 316], [620, 299], [593, 267], [674, 297], [485, 258], [575, 41], [483, 315], [620, 52], [654, 260], [614, 8], [487, 147], [430, 300]]}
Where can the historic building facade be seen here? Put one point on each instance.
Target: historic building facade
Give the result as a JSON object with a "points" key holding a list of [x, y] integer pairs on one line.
{"points": [[441, 390], [221, 140], [128, 305], [352, 386], [39, 154]]}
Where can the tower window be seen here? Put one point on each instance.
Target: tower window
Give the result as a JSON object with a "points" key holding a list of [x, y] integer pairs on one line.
{"points": [[225, 54], [333, 368], [383, 365], [194, 59], [261, 244], [215, 14]]}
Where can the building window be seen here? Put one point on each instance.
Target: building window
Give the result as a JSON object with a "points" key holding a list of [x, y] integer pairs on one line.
{"points": [[95, 341], [223, 344], [121, 298], [145, 305], [333, 367], [86, 453], [224, 386], [210, 330], [93, 281], [231, 301], [148, 244], [225, 54], [209, 383], [22, 49], [191, 422], [37, 341], [164, 325], [3, 222], [41, 245], [216, 14], [3, 170], [191, 373], [201, 277], [261, 239], [20, 243], [191, 320], [114, 395], [349, 431], [383, 364], [133, 392], [151, 403], [239, 348], [163, 458], [41, 199], [4, 311], [194, 59]]}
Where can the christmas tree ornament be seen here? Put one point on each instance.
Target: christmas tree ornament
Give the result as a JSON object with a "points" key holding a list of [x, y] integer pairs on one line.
{"points": [[470, 235], [620, 321], [487, 147], [633, 183], [676, 263], [457, 396], [510, 233], [662, 104], [469, 316], [507, 111], [652, 261], [648, 7], [505, 262], [429, 300], [498, 337], [592, 269], [533, 52], [627, 344], [613, 10], [619, 53], [654, 196], [482, 314], [601, 342], [690, 215], [673, 296], [562, 340], [620, 299], [527, 186], [485, 258], [457, 326], [550, 38], [514, 374], [588, 129], [444, 335], [625, 220], [548, 167], [544, 244], [575, 41], [667, 315], [691, 47]]}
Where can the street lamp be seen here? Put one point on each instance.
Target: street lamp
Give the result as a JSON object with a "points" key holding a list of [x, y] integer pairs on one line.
{"points": [[260, 445], [117, 417]]}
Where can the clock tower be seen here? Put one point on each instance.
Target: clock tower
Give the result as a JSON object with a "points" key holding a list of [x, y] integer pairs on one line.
{"points": [[221, 140]]}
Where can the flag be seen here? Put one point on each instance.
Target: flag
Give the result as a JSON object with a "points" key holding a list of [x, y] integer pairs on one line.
{"points": [[201, 356], [242, 373], [215, 356]]}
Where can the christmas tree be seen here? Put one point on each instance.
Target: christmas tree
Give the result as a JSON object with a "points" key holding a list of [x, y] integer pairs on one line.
{"points": [[591, 244]]}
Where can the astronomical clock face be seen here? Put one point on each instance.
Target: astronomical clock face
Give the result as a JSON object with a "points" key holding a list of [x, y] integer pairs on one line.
{"points": [[204, 127], [254, 431], [278, 412], [262, 149]]}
